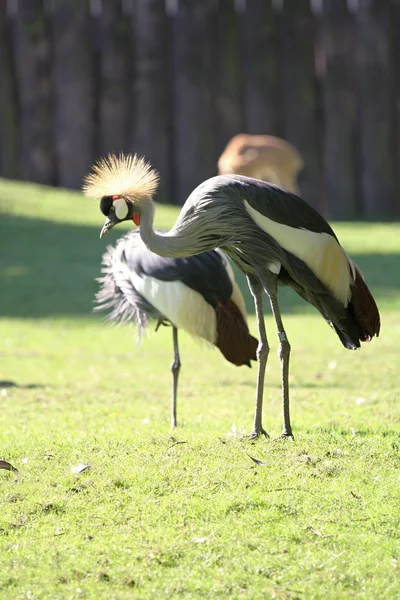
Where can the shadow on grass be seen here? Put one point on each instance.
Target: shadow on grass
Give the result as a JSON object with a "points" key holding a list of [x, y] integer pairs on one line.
{"points": [[49, 269], [13, 384]]}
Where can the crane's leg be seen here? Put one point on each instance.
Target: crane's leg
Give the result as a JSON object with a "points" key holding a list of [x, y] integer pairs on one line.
{"points": [[262, 355], [284, 354], [175, 368]]}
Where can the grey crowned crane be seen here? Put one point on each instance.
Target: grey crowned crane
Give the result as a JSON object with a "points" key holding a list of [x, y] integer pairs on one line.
{"points": [[198, 294], [272, 235]]}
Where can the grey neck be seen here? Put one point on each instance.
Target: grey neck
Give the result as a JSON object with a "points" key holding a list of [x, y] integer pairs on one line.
{"points": [[169, 244]]}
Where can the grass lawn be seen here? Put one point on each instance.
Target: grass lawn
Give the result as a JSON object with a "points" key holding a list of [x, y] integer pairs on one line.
{"points": [[186, 514]]}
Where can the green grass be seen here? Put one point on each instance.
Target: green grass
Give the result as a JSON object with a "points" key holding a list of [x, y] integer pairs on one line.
{"points": [[186, 514]]}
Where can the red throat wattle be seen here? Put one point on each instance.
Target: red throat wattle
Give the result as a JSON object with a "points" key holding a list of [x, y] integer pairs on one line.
{"points": [[136, 219]]}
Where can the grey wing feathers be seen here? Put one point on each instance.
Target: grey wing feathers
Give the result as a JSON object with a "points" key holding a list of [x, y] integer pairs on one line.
{"points": [[277, 204], [314, 292]]}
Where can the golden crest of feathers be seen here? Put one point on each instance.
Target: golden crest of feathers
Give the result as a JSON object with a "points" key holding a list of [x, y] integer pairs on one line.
{"points": [[128, 175]]}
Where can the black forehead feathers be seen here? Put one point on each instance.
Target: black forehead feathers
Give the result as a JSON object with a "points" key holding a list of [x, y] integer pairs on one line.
{"points": [[105, 205]]}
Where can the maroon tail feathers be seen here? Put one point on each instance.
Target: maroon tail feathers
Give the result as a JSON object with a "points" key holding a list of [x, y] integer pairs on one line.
{"points": [[364, 310], [233, 337]]}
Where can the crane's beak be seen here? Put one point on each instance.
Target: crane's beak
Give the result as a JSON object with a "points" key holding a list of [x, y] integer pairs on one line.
{"points": [[109, 224]]}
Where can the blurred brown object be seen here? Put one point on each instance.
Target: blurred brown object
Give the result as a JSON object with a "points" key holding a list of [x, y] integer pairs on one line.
{"points": [[264, 157]]}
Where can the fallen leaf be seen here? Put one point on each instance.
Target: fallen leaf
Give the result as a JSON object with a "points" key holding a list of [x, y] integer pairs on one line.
{"points": [[314, 531], [257, 461], [7, 466], [175, 442], [79, 469]]}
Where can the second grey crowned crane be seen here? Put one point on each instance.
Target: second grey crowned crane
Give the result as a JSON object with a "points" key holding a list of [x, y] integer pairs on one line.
{"points": [[198, 294]]}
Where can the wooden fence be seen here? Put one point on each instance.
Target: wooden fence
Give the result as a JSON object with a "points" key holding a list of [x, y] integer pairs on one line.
{"points": [[175, 79]]}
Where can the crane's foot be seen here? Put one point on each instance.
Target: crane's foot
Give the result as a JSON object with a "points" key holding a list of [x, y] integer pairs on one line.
{"points": [[285, 436], [255, 434]]}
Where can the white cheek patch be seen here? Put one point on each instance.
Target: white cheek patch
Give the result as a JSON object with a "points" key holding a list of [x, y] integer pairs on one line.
{"points": [[121, 208]]}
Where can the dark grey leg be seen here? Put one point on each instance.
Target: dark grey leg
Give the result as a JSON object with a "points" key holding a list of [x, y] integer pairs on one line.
{"points": [[262, 355], [175, 368], [284, 355]]}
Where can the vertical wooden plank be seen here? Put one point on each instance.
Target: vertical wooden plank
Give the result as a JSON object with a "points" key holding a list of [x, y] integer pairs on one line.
{"points": [[8, 101], [195, 152], [298, 91], [73, 90], [229, 115], [115, 57], [260, 67], [375, 87], [32, 63], [396, 105], [151, 89], [339, 110]]}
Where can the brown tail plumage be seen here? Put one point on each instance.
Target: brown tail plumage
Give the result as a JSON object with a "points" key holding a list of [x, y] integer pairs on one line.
{"points": [[363, 309], [233, 337]]}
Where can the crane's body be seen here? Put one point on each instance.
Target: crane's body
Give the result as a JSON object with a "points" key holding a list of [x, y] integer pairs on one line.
{"points": [[272, 235], [264, 157], [198, 294], [248, 219]]}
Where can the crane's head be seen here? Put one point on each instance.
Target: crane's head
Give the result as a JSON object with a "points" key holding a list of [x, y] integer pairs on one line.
{"points": [[117, 209], [123, 183]]}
